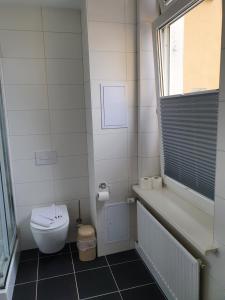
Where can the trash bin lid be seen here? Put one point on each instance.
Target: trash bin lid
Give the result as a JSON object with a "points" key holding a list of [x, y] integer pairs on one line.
{"points": [[86, 231]]}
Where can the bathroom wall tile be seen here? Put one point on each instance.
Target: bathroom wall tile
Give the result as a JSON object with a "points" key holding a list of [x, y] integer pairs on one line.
{"points": [[72, 188], [147, 93], [147, 71], [146, 42], [87, 94], [69, 143], [219, 224], [148, 121], [27, 171], [118, 191], [26, 97], [220, 174], [34, 193], [64, 71], [131, 66], [68, 121], [131, 11], [28, 122], [131, 40], [221, 126], [24, 44], [132, 144], [26, 237], [66, 96], [61, 20], [148, 166], [24, 71], [18, 17], [108, 65], [214, 289], [149, 144], [106, 10], [132, 120], [149, 10], [133, 170], [23, 222], [107, 36], [70, 167], [109, 146], [24, 146], [111, 170], [63, 45], [132, 96]]}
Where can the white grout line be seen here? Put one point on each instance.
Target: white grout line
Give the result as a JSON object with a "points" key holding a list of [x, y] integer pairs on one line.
{"points": [[106, 294], [124, 262], [36, 293], [138, 286], [114, 278], [56, 276], [96, 268], [74, 273], [115, 292]]}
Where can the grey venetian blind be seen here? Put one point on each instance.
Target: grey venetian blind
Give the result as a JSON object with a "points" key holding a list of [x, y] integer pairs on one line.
{"points": [[189, 135]]}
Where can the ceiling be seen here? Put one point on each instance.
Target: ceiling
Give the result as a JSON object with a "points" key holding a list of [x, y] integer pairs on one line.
{"points": [[51, 3]]}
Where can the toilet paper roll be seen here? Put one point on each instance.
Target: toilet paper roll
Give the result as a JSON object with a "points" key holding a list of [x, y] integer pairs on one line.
{"points": [[157, 183], [145, 183], [103, 196]]}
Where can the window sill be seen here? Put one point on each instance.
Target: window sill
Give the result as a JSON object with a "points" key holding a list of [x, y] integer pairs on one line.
{"points": [[194, 225]]}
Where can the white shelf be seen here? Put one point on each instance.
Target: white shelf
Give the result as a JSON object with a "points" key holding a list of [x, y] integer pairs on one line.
{"points": [[192, 223]]}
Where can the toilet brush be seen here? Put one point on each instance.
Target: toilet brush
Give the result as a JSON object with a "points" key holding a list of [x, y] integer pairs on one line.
{"points": [[79, 220]]}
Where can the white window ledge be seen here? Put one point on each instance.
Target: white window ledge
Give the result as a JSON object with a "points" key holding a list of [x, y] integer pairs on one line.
{"points": [[191, 223]]}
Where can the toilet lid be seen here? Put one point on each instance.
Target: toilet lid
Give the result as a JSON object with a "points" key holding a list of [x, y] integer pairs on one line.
{"points": [[60, 221]]}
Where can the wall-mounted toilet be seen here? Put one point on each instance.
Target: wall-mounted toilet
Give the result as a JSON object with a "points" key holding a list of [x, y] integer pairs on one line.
{"points": [[49, 226]]}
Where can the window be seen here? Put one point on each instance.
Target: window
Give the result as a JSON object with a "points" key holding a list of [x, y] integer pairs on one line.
{"points": [[189, 50]]}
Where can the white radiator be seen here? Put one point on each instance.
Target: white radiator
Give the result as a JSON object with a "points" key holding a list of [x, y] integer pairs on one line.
{"points": [[176, 270]]}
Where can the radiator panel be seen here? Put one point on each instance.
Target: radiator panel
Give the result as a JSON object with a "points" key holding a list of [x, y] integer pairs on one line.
{"points": [[178, 270]]}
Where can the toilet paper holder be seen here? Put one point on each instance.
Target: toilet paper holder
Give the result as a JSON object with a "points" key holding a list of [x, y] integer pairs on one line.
{"points": [[104, 186]]}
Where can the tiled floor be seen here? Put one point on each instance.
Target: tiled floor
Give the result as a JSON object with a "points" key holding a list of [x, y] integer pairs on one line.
{"points": [[63, 277]]}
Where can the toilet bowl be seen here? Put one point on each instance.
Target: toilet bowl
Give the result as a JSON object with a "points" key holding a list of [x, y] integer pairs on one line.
{"points": [[52, 238]]}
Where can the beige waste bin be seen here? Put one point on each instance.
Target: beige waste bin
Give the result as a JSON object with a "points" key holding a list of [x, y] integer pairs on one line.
{"points": [[86, 243]]}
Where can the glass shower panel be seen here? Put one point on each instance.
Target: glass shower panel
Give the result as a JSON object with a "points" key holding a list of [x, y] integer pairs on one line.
{"points": [[6, 178], [7, 216]]}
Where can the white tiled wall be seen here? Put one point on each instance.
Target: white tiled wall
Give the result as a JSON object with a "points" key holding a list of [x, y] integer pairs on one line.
{"points": [[111, 40], [44, 93], [148, 137]]}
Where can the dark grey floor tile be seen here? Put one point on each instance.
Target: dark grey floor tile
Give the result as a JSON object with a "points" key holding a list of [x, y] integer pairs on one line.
{"points": [[31, 254], [95, 282], [85, 265], [131, 274], [55, 265], [114, 296], [25, 291], [149, 292], [58, 288], [65, 250], [122, 257], [27, 271], [73, 247]]}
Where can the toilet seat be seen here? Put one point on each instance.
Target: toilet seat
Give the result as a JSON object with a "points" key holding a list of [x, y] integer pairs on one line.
{"points": [[57, 223]]}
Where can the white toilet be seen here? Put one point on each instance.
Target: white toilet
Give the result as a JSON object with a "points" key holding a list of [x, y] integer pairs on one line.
{"points": [[50, 238]]}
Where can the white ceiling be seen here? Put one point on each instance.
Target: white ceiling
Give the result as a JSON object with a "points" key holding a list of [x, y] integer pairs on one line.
{"points": [[51, 3]]}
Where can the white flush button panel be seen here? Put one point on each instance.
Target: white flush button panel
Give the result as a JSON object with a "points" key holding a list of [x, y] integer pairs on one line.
{"points": [[114, 106], [45, 158]]}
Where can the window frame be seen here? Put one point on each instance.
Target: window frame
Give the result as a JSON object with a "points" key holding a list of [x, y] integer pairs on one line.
{"points": [[174, 10]]}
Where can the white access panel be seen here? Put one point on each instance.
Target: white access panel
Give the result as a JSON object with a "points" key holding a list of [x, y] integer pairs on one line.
{"points": [[117, 220], [113, 106]]}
